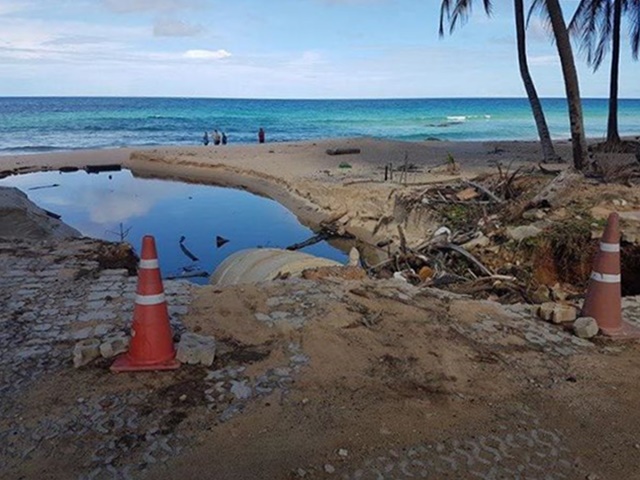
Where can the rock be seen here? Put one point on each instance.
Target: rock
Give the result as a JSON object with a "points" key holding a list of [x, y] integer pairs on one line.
{"points": [[558, 293], [467, 194], [82, 334], [354, 257], [535, 214], [102, 329], [114, 344], [557, 312], [619, 202], [523, 232], [343, 452], [329, 468], [481, 240], [585, 327], [563, 313], [541, 294], [545, 311], [193, 349], [240, 390], [85, 352]]}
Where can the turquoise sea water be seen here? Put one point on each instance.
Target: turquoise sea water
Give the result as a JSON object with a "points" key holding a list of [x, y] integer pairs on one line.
{"points": [[29, 125]]}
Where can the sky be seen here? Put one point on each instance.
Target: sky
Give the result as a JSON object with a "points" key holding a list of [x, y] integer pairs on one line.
{"points": [[277, 49]]}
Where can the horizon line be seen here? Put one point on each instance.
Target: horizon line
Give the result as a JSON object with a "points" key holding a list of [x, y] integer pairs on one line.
{"points": [[305, 99]]}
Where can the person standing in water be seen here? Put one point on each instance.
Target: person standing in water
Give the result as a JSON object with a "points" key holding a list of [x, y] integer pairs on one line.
{"points": [[216, 137], [205, 139], [224, 138], [261, 135]]}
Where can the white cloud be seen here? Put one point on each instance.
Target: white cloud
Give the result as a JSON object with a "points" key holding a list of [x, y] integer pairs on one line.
{"points": [[8, 6], [132, 6], [206, 54], [544, 60], [175, 28]]}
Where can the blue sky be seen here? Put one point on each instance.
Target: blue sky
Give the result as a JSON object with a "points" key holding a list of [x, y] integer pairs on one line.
{"points": [[275, 49]]}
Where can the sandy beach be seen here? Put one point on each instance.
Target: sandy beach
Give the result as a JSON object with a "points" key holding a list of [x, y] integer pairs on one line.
{"points": [[304, 178], [335, 375]]}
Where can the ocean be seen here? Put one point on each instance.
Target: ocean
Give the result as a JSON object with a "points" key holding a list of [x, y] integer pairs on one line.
{"points": [[41, 124]]}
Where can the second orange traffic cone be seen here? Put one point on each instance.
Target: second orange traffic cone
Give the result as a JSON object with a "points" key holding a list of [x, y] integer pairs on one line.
{"points": [[151, 346], [604, 294]]}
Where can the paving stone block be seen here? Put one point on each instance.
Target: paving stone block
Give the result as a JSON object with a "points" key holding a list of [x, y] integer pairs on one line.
{"points": [[585, 327], [564, 313], [114, 344], [557, 312], [85, 352], [193, 349]]}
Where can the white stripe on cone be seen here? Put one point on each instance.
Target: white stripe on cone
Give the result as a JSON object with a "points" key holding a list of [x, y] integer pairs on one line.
{"points": [[609, 247], [149, 264], [605, 277], [150, 299]]}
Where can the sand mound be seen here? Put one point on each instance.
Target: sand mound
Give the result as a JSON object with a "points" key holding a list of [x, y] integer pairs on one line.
{"points": [[21, 218]]}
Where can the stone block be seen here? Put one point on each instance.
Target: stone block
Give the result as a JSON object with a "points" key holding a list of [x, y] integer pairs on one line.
{"points": [[585, 327], [545, 311], [563, 314], [85, 352], [557, 312], [193, 349], [114, 344]]}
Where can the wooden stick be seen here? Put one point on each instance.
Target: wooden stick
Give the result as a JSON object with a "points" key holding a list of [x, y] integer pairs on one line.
{"points": [[467, 255], [484, 190]]}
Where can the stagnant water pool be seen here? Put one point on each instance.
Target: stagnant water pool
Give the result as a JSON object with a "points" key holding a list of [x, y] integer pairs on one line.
{"points": [[109, 204]]}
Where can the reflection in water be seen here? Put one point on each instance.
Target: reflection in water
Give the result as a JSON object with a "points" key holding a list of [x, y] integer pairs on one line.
{"points": [[102, 205]]}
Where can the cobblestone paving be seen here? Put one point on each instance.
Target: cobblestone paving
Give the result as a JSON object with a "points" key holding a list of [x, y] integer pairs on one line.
{"points": [[49, 303], [525, 450]]}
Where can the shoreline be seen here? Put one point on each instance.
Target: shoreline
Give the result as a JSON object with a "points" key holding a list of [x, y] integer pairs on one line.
{"points": [[306, 180]]}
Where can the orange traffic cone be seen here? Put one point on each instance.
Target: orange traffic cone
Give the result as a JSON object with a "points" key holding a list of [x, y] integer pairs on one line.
{"points": [[604, 298], [151, 346]]}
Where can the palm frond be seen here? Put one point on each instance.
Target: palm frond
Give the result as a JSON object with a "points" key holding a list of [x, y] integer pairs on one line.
{"points": [[455, 12]]}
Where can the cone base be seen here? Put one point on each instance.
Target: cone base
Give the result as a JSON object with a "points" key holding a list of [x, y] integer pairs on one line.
{"points": [[625, 331], [126, 364]]}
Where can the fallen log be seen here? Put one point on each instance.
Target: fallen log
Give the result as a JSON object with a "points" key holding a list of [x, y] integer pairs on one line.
{"points": [[103, 168], [343, 151], [484, 190], [311, 241]]}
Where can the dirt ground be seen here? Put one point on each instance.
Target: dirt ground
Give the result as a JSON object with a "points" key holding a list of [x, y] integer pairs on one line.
{"points": [[336, 378]]}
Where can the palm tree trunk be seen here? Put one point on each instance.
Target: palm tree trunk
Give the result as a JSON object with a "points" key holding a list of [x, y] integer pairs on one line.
{"points": [[571, 85], [613, 136], [548, 152]]}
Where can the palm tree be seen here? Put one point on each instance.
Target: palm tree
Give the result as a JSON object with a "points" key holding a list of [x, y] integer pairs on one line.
{"points": [[598, 24], [553, 11], [458, 11]]}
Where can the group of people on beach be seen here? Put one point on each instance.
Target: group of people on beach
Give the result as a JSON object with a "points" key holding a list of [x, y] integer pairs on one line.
{"points": [[220, 138], [216, 137]]}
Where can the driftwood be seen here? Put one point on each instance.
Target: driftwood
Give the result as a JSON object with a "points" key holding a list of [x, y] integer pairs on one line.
{"points": [[186, 251], [458, 249], [343, 151], [197, 274], [54, 185], [484, 190], [311, 241], [102, 168], [549, 195]]}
